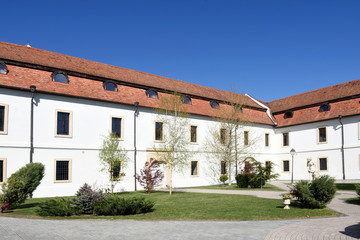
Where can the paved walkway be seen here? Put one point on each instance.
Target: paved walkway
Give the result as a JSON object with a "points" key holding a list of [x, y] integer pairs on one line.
{"points": [[347, 227]]}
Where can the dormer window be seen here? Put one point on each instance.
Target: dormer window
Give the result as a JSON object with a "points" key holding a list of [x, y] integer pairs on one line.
{"points": [[152, 94], [3, 68], [214, 104], [288, 114], [110, 86], [187, 100], [238, 108], [60, 77], [324, 107]]}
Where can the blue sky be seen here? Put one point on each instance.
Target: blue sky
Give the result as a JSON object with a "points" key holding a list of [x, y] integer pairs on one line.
{"points": [[267, 48]]}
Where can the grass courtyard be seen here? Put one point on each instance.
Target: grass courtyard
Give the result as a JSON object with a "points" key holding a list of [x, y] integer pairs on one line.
{"points": [[266, 187], [196, 206]]}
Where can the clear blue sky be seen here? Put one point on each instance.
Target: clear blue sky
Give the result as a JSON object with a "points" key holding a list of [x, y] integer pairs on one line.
{"points": [[269, 49]]}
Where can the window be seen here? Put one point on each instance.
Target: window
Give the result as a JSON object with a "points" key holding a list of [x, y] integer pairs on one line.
{"points": [[159, 131], [152, 94], [3, 118], [194, 168], [60, 77], [193, 134], [322, 135], [323, 164], [116, 171], [116, 126], [267, 165], [62, 170], [238, 108], [187, 100], [63, 123], [288, 114], [3, 68], [246, 138], [214, 104], [324, 108], [285, 139], [267, 140], [2, 170], [286, 166], [222, 136], [223, 169], [110, 86]]}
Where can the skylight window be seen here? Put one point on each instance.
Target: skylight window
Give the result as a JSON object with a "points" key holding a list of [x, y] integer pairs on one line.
{"points": [[324, 108], [152, 94], [288, 114], [60, 77], [187, 100], [214, 104], [110, 86], [3, 68]]}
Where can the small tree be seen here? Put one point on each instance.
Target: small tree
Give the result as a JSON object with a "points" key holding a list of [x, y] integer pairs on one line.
{"points": [[223, 178], [113, 158], [263, 173], [150, 176]]}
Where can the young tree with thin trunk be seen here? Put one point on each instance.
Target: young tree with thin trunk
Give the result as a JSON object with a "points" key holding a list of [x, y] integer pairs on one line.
{"points": [[172, 149]]}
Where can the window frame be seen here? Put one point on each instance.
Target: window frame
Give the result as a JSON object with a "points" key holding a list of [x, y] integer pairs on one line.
{"points": [[121, 172], [282, 139], [222, 139], [121, 137], [288, 114], [6, 69], [221, 167], [318, 135], [152, 90], [197, 168], [69, 170], [186, 97], [323, 105], [70, 135], [106, 82], [4, 170], [162, 137], [319, 165], [6, 117], [246, 138], [267, 136], [217, 106], [196, 134], [60, 72], [283, 165]]}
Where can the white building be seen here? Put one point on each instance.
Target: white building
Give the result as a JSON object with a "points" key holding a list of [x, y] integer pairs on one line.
{"points": [[55, 109]]}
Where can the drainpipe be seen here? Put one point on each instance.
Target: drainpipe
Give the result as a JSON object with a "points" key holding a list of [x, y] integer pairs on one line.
{"points": [[32, 90], [342, 146], [136, 113]]}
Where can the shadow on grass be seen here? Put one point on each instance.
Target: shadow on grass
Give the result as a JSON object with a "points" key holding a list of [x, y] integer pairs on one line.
{"points": [[28, 205]]}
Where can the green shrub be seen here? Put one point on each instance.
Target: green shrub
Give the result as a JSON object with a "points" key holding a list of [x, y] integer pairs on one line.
{"points": [[315, 194], [86, 199], [223, 178], [357, 189], [55, 207], [115, 205], [14, 191]]}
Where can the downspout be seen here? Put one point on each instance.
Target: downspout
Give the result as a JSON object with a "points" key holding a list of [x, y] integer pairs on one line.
{"points": [[264, 106], [136, 113], [32, 90], [342, 146]]}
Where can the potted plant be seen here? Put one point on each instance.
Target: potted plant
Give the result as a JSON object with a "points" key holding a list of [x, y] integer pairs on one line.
{"points": [[287, 197]]}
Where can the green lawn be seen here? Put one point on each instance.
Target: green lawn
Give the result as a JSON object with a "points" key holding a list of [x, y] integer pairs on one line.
{"points": [[197, 206], [266, 187]]}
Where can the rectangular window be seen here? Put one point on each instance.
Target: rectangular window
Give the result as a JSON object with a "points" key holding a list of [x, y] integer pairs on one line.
{"points": [[63, 123], [62, 170], [267, 165], [285, 139], [2, 170], [115, 171], [159, 131], [116, 126], [3, 118], [323, 164], [193, 134], [267, 143], [322, 135], [246, 138], [223, 167], [286, 166], [222, 135], [194, 168]]}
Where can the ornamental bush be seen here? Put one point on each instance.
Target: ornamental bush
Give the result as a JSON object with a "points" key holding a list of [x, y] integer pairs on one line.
{"points": [[314, 194], [86, 199], [223, 178], [115, 205], [150, 176], [55, 207], [357, 189]]}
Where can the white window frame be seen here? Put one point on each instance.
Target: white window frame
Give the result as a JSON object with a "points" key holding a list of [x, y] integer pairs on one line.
{"points": [[318, 135], [282, 166], [327, 164], [6, 110], [121, 127], [70, 135], [4, 169], [282, 139], [197, 134], [69, 173], [197, 168]]}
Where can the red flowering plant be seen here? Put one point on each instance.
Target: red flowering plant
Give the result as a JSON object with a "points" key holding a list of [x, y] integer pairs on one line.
{"points": [[4, 206], [150, 176]]}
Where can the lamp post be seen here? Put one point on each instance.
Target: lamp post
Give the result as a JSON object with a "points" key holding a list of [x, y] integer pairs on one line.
{"points": [[292, 152]]}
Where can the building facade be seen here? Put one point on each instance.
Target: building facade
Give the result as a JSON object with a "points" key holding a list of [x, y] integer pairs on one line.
{"points": [[56, 109]]}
